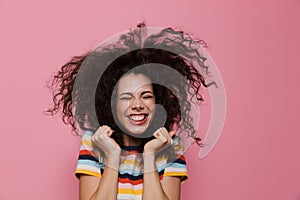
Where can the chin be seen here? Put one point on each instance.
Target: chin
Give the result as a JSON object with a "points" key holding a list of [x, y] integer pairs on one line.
{"points": [[136, 132]]}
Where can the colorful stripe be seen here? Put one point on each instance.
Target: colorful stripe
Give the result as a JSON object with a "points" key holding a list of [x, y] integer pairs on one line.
{"points": [[130, 179]]}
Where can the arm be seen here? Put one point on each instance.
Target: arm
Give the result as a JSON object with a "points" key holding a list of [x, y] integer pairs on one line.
{"points": [[106, 187], [168, 189]]}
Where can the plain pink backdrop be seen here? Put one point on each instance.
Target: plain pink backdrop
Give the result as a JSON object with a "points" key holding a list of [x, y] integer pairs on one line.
{"points": [[255, 44]]}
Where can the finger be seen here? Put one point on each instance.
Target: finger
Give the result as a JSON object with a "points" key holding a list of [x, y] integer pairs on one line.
{"points": [[98, 133], [104, 128], [163, 139], [167, 134], [172, 133], [110, 132], [156, 134], [172, 141], [160, 133], [163, 136], [107, 130], [163, 130]]}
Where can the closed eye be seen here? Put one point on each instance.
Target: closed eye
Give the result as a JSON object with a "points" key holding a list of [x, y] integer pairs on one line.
{"points": [[125, 98], [148, 97]]}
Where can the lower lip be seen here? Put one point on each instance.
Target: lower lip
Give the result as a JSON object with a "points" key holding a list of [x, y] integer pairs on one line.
{"points": [[138, 123]]}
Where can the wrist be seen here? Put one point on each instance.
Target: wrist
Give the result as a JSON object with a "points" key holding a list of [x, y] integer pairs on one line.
{"points": [[148, 150], [113, 161], [149, 162]]}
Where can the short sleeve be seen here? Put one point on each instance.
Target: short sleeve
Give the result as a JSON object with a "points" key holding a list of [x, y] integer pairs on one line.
{"points": [[178, 167], [88, 162]]}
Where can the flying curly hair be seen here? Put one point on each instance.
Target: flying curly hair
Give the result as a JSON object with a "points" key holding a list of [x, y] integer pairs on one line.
{"points": [[83, 89]]}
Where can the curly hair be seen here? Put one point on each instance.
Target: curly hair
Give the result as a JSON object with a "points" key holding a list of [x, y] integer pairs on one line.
{"points": [[83, 89]]}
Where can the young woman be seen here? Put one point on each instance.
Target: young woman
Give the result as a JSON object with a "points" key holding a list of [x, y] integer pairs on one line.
{"points": [[133, 100]]}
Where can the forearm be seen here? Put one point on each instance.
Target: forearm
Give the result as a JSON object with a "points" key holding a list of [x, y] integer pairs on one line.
{"points": [[108, 186], [152, 185]]}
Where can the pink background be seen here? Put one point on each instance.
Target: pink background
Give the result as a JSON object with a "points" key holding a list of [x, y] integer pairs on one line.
{"points": [[255, 44]]}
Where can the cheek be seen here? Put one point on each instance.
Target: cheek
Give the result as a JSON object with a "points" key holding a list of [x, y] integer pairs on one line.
{"points": [[151, 105], [118, 110], [121, 107]]}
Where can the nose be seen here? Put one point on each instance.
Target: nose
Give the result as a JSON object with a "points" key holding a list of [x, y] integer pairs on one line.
{"points": [[137, 104]]}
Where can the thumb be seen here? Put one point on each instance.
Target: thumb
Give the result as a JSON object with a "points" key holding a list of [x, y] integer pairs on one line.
{"points": [[171, 133]]}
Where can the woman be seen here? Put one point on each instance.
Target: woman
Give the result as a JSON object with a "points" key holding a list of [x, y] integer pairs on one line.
{"points": [[132, 147]]}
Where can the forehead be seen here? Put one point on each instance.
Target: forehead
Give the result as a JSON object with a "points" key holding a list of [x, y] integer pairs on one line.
{"points": [[132, 83]]}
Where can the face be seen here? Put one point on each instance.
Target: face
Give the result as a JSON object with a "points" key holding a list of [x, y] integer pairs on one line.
{"points": [[135, 103]]}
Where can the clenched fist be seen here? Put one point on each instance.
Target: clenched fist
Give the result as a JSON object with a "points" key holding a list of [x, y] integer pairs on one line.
{"points": [[163, 138], [102, 139]]}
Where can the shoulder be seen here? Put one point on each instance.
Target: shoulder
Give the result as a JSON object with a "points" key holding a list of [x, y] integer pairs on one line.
{"points": [[173, 163], [88, 159]]}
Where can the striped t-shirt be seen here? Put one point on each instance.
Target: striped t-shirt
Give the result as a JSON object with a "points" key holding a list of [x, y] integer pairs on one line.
{"points": [[130, 181]]}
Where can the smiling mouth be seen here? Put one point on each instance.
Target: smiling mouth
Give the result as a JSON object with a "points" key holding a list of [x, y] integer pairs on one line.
{"points": [[138, 119]]}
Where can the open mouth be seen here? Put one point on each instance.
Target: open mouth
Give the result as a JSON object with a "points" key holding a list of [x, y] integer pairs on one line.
{"points": [[138, 119]]}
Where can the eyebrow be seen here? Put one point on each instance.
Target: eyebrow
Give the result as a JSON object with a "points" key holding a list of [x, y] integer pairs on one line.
{"points": [[130, 94]]}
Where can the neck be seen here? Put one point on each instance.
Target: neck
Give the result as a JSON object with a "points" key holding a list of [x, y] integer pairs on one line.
{"points": [[129, 140]]}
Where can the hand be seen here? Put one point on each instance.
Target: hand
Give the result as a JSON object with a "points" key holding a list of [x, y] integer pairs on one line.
{"points": [[108, 145], [163, 138]]}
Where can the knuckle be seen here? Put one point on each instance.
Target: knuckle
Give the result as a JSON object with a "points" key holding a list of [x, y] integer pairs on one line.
{"points": [[164, 140], [101, 136]]}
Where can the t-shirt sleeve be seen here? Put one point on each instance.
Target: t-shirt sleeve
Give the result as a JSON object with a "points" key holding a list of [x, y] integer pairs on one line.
{"points": [[178, 167], [88, 162]]}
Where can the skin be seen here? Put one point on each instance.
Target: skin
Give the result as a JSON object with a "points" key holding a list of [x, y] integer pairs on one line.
{"points": [[135, 111], [135, 103]]}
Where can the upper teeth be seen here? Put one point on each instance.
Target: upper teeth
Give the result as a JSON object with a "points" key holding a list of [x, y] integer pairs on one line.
{"points": [[137, 117]]}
